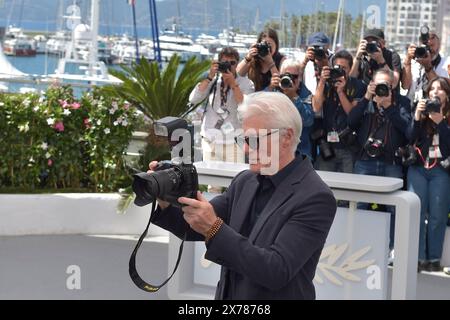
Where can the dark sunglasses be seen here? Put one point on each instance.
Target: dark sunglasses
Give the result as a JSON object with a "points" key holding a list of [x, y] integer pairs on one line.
{"points": [[252, 141], [232, 63]]}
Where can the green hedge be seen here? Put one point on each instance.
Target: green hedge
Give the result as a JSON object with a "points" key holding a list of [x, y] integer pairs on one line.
{"points": [[55, 141]]}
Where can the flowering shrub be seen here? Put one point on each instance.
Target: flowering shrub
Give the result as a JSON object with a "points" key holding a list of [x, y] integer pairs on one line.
{"points": [[56, 141]]}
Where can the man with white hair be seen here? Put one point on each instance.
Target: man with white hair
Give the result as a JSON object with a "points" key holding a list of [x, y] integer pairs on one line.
{"points": [[267, 231]]}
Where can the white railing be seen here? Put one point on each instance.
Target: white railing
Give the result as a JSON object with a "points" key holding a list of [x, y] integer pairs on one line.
{"points": [[353, 188]]}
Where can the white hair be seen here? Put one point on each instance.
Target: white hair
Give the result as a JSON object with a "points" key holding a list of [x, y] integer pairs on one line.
{"points": [[276, 109], [290, 63]]}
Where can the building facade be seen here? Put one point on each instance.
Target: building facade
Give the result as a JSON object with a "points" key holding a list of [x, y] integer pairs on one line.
{"points": [[405, 17]]}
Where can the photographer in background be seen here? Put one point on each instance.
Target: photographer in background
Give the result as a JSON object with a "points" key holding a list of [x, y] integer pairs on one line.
{"points": [[318, 56], [256, 228], [372, 55], [290, 83], [422, 64], [224, 90], [429, 171], [336, 96], [381, 119], [263, 60]]}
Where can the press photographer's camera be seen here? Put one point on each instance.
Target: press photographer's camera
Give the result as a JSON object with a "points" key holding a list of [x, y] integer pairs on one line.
{"points": [[408, 155], [374, 147], [319, 52], [325, 148], [336, 73], [372, 47], [423, 49], [224, 67], [382, 90], [287, 81], [433, 106], [263, 49]]}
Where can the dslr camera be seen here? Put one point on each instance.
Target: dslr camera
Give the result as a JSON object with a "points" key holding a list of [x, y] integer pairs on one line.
{"points": [[263, 49], [432, 106], [374, 147], [171, 179], [325, 148], [423, 49], [382, 90], [335, 73], [372, 47], [408, 155], [169, 182], [224, 67], [319, 52], [287, 81]]}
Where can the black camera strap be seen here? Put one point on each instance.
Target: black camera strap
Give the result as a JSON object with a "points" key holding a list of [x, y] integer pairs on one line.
{"points": [[138, 281]]}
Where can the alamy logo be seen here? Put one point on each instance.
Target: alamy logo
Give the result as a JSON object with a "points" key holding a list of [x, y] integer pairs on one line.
{"points": [[373, 17], [73, 282]]}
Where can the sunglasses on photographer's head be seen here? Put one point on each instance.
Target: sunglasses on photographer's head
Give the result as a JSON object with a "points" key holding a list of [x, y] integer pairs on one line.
{"points": [[252, 141]]}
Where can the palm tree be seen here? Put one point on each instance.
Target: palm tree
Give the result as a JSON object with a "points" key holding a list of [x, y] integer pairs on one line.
{"points": [[157, 93]]}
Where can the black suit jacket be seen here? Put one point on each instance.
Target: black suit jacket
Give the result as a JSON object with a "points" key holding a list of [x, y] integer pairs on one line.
{"points": [[279, 259]]}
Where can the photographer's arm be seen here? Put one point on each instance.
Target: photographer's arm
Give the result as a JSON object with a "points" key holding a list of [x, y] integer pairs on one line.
{"points": [[356, 116], [407, 68], [400, 116], [319, 97]]}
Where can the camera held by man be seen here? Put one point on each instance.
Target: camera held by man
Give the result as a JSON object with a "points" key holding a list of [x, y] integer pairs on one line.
{"points": [[423, 49]]}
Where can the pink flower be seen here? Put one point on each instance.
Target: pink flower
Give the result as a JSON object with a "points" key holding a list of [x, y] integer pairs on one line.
{"points": [[76, 106], [87, 123], [50, 162], [63, 103], [59, 126]]}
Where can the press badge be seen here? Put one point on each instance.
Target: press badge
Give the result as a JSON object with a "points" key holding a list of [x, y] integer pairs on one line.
{"points": [[333, 137], [435, 151], [227, 128]]}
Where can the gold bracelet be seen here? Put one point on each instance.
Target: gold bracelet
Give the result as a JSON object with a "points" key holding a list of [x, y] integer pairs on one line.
{"points": [[214, 229]]}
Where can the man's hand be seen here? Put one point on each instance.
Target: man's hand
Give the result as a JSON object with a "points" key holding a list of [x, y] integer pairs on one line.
{"points": [[153, 166], [214, 69], [361, 49], [310, 56], [252, 53], [325, 75], [229, 79], [370, 91], [421, 106], [199, 214], [340, 84], [384, 102], [275, 82], [411, 54]]}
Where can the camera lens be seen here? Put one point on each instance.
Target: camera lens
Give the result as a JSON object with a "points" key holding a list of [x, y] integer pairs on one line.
{"points": [[319, 52], [372, 47], [286, 83], [421, 52], [382, 90], [374, 148], [149, 187]]}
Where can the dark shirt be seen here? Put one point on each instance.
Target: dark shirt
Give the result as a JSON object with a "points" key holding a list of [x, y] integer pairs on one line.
{"points": [[334, 116], [368, 67], [267, 77], [267, 186], [388, 125]]}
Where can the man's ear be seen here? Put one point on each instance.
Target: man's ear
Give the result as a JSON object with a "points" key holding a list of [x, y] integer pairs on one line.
{"points": [[289, 137]]}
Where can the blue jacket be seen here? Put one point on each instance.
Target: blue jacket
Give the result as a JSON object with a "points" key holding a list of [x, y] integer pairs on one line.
{"points": [[304, 106], [392, 132]]}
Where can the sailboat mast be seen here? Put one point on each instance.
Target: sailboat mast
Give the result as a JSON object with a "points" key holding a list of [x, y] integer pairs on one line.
{"points": [[341, 32], [337, 26], [95, 16]]}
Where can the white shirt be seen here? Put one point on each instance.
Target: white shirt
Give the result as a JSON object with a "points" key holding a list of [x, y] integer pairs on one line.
{"points": [[415, 93], [214, 113]]}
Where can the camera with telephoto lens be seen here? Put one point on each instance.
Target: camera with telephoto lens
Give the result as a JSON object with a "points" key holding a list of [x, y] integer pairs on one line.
{"points": [[372, 47], [325, 148], [423, 49], [336, 73], [224, 67], [263, 49], [432, 106], [287, 81], [408, 155], [171, 179], [382, 90], [374, 147], [169, 182], [319, 52]]}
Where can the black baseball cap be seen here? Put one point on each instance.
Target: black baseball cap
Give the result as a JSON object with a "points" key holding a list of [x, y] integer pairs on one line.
{"points": [[374, 33]]}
